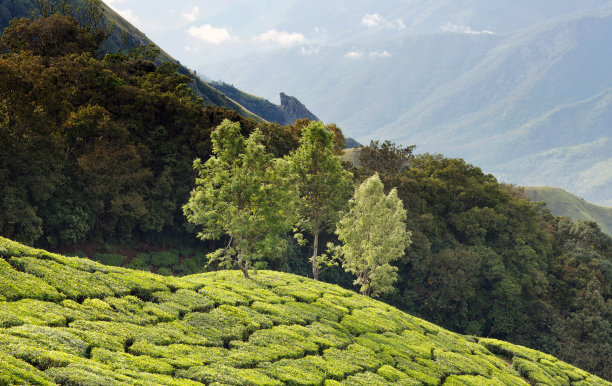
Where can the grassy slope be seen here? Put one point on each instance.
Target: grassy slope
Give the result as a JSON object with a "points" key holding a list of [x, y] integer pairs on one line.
{"points": [[73, 321], [562, 203]]}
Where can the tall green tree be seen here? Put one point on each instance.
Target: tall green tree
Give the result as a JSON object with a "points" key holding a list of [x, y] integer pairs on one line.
{"points": [[323, 184], [374, 234], [242, 192]]}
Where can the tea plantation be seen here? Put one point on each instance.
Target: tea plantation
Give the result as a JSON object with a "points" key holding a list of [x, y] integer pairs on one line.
{"points": [[72, 321]]}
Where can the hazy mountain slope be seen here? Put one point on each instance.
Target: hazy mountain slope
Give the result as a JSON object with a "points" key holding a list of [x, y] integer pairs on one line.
{"points": [[343, 22], [562, 203], [73, 321], [491, 99]]}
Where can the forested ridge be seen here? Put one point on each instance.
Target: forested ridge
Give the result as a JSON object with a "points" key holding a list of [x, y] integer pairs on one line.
{"points": [[97, 151]]}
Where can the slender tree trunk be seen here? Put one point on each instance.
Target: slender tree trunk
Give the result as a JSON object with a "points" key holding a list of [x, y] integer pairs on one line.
{"points": [[243, 267], [315, 264]]}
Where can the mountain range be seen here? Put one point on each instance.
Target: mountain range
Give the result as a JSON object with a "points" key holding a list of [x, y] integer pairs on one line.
{"points": [[523, 91]]}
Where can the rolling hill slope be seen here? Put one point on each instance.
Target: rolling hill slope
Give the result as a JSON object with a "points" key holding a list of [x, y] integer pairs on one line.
{"points": [[562, 203], [73, 321]]}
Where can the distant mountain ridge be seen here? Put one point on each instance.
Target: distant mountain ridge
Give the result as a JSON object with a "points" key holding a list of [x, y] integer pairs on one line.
{"points": [[289, 110], [207, 91], [538, 93]]}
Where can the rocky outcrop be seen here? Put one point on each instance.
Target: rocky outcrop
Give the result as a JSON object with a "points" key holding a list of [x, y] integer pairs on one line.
{"points": [[292, 109]]}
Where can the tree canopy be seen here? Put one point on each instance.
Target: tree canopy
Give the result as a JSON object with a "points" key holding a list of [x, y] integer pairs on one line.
{"points": [[374, 234], [244, 193], [323, 185]]}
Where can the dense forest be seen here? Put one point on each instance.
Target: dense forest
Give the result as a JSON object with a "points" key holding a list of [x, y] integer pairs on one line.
{"points": [[97, 154]]}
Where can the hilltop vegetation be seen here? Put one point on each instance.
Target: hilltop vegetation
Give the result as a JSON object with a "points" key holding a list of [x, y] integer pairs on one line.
{"points": [[67, 320], [98, 152], [562, 203], [96, 147], [125, 37]]}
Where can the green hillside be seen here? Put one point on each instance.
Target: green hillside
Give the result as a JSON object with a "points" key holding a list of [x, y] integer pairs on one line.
{"points": [[68, 320], [562, 203]]}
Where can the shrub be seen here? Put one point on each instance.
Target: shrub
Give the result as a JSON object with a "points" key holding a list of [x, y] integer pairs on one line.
{"points": [[180, 355], [17, 372], [59, 339], [110, 259], [16, 285], [141, 262], [165, 271], [74, 283], [227, 375], [309, 370], [165, 259], [366, 379], [119, 360]]}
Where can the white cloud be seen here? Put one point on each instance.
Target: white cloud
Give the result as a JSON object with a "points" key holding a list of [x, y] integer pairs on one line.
{"points": [[128, 15], [310, 50], [192, 15], [372, 20], [398, 23], [210, 34], [380, 54], [375, 20], [281, 37], [463, 29], [354, 54]]}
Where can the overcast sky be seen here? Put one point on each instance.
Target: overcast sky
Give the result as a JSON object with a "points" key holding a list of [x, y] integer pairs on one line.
{"points": [[197, 32], [202, 32]]}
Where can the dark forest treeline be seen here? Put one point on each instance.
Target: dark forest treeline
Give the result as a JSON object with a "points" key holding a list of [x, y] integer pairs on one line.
{"points": [[95, 146], [99, 149]]}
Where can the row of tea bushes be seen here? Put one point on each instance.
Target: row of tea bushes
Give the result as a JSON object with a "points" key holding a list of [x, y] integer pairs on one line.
{"points": [[67, 320]]}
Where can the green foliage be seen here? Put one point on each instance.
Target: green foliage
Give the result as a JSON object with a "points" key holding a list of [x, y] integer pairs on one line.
{"points": [[110, 259], [385, 158], [53, 35], [166, 259], [221, 328], [373, 235], [14, 372], [243, 193], [114, 137], [485, 261], [323, 185]]}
